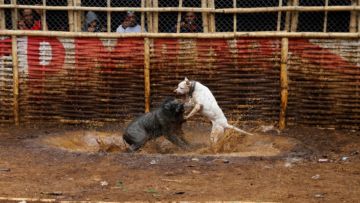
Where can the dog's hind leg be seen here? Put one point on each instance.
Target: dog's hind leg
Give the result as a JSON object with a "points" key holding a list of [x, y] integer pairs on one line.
{"points": [[216, 132], [238, 130]]}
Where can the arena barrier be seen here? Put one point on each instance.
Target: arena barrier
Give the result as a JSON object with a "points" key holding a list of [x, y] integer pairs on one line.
{"points": [[83, 80]]}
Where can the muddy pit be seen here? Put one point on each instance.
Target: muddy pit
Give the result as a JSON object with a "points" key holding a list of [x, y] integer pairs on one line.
{"points": [[67, 163], [231, 144]]}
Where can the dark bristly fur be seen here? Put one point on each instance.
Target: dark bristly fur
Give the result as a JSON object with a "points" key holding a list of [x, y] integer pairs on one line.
{"points": [[165, 121]]}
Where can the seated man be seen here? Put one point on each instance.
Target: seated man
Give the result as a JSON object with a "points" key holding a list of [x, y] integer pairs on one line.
{"points": [[31, 19], [129, 24]]}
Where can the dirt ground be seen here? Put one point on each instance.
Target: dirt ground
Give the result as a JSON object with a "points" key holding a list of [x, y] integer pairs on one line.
{"points": [[299, 164]]}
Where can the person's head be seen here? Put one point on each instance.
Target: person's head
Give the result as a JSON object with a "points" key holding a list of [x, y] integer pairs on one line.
{"points": [[93, 26], [92, 23], [130, 19], [21, 25], [190, 17], [28, 16]]}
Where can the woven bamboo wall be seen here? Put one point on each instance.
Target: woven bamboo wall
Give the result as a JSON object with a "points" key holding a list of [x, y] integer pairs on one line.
{"points": [[6, 82], [324, 80], [89, 79]]}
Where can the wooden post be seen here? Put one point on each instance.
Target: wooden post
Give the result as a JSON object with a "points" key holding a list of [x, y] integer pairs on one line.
{"points": [[77, 17], [278, 26], [147, 73], [2, 16], [283, 82], [149, 17], [142, 16], [287, 18], [71, 16], [212, 17], [325, 16], [156, 16], [295, 17], [15, 79], [14, 15], [235, 16], [353, 16], [205, 20], [108, 17], [358, 17], [179, 17], [43, 17]]}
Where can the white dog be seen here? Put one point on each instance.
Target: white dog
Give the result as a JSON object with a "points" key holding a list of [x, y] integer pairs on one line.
{"points": [[204, 101]]}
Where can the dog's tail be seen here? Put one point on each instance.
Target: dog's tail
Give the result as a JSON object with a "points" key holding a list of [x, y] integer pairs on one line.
{"points": [[237, 129]]}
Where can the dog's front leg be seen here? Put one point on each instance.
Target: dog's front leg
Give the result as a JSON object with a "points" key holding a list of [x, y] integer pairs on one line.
{"points": [[196, 108]]}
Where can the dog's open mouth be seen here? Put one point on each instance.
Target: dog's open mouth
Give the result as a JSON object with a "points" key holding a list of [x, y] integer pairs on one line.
{"points": [[232, 143]]}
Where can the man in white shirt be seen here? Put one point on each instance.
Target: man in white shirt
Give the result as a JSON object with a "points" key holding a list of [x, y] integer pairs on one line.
{"points": [[129, 24]]}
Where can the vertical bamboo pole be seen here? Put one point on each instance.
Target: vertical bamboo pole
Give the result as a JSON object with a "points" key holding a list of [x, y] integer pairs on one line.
{"points": [[235, 16], [278, 26], [142, 16], [108, 17], [358, 18], [179, 17], [294, 18], [212, 17], [156, 16], [14, 15], [15, 79], [147, 73], [205, 20], [71, 16], [43, 18], [325, 16], [2, 17], [149, 17], [77, 16], [283, 82], [352, 25], [287, 17]]}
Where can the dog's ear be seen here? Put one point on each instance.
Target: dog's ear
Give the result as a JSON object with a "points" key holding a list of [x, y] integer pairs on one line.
{"points": [[187, 81]]}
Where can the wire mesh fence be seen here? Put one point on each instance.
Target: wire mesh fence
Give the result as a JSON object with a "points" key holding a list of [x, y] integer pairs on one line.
{"points": [[169, 21]]}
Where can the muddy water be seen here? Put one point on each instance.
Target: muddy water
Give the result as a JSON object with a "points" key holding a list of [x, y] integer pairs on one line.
{"points": [[232, 143]]}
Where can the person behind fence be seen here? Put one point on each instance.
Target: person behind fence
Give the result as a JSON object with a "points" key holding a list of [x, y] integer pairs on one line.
{"points": [[129, 24], [92, 23], [189, 23], [21, 25], [31, 18]]}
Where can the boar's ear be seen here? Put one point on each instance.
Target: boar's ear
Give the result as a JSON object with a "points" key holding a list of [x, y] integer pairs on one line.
{"points": [[180, 108], [167, 106]]}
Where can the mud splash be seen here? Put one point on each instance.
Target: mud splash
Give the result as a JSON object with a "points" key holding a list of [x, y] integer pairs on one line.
{"points": [[231, 144]]}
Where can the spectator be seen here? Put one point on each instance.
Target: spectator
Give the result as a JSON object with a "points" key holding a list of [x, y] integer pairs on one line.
{"points": [[129, 24], [190, 23], [31, 19], [92, 23]]}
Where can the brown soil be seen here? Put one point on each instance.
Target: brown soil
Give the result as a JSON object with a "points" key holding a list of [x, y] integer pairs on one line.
{"points": [[300, 164]]}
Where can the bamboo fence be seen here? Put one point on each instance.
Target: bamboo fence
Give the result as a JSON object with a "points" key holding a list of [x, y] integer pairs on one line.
{"points": [[283, 76]]}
